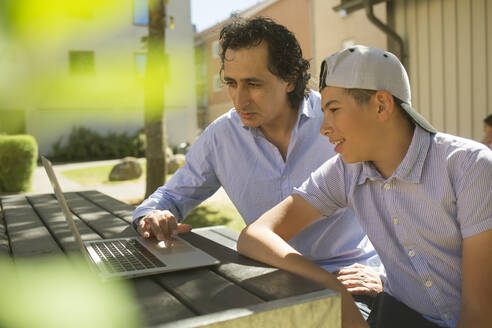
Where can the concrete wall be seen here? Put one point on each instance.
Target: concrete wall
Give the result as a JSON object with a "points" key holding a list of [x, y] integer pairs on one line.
{"points": [[110, 99], [449, 47]]}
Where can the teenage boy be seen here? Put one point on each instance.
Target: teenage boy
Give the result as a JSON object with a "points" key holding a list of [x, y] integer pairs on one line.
{"points": [[423, 198], [260, 150]]}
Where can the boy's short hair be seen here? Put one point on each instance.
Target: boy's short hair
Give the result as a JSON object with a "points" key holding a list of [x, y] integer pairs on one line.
{"points": [[370, 68], [361, 96], [284, 52]]}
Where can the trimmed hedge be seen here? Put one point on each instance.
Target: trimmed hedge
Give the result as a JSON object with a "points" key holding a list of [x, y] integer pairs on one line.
{"points": [[84, 144], [18, 155]]}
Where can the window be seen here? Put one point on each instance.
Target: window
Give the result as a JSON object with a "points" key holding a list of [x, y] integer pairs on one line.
{"points": [[81, 62], [140, 12], [215, 49], [140, 64], [217, 83]]}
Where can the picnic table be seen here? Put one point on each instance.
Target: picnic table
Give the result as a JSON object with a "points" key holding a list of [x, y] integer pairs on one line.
{"points": [[34, 226]]}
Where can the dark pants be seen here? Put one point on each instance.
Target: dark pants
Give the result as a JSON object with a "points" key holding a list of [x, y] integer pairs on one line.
{"points": [[388, 312]]}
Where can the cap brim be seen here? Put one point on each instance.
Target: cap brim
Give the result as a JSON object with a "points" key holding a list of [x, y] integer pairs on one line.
{"points": [[418, 119]]}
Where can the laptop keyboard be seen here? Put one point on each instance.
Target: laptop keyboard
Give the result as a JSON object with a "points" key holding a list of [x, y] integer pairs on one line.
{"points": [[125, 255]]}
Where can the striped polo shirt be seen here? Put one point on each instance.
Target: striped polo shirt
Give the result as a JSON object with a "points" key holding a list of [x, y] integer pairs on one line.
{"points": [[416, 219]]}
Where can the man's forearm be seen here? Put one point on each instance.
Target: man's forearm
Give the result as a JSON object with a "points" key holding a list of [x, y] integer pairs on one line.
{"points": [[264, 245]]}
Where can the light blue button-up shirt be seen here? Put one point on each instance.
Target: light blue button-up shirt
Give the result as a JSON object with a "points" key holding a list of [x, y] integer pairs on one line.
{"points": [[417, 219], [254, 175]]}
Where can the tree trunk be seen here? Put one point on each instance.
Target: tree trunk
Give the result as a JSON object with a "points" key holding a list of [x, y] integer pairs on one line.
{"points": [[154, 118]]}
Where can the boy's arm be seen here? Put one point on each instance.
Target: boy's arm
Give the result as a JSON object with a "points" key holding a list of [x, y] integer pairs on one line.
{"points": [[476, 292], [474, 204], [265, 240]]}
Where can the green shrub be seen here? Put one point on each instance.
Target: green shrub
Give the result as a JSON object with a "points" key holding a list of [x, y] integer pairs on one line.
{"points": [[84, 144], [18, 155]]}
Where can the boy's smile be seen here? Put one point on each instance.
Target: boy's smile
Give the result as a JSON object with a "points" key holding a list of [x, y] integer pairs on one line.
{"points": [[376, 131], [337, 144], [347, 124]]}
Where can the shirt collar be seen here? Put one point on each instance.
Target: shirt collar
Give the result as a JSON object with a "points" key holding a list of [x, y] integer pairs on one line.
{"points": [[308, 107], [410, 169]]}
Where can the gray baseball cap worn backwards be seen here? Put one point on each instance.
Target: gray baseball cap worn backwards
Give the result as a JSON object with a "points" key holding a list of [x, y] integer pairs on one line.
{"points": [[361, 67]]}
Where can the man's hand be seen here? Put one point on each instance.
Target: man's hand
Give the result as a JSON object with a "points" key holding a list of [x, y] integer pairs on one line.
{"points": [[161, 225], [360, 280]]}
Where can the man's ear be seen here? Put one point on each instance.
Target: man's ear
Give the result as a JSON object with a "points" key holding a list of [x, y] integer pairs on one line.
{"points": [[385, 104], [290, 86]]}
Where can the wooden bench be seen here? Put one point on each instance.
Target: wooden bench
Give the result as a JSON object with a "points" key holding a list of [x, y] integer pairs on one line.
{"points": [[238, 289]]}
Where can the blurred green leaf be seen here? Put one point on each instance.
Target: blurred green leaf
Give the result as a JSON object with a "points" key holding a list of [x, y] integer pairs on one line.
{"points": [[53, 292]]}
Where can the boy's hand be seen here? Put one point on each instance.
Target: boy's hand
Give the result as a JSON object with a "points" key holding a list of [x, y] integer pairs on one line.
{"points": [[161, 225]]}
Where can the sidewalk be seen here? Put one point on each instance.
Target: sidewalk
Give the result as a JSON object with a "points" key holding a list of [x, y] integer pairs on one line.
{"points": [[125, 191], [129, 192]]}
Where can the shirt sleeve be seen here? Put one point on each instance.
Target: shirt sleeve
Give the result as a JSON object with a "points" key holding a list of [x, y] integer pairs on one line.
{"points": [[325, 188], [189, 186], [474, 193]]}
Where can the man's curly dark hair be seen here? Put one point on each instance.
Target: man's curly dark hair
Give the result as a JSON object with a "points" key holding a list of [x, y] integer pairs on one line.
{"points": [[284, 53]]}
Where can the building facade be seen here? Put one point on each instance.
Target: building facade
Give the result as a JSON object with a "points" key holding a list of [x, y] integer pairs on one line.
{"points": [[319, 29], [446, 47], [87, 70], [449, 49]]}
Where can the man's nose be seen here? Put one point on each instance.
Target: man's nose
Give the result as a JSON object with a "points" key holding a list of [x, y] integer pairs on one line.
{"points": [[241, 98]]}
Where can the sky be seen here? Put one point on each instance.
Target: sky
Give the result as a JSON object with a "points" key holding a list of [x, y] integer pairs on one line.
{"points": [[206, 13]]}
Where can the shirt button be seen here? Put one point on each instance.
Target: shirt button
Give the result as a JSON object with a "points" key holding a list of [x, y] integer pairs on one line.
{"points": [[411, 253], [387, 186], [395, 220], [428, 284]]}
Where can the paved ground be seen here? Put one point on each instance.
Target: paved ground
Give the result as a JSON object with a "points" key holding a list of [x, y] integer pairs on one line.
{"points": [[125, 191]]}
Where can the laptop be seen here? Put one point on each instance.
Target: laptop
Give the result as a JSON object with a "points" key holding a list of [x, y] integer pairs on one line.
{"points": [[130, 257]]}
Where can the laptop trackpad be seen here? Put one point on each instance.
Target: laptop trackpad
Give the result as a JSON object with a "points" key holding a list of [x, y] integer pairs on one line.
{"points": [[180, 246]]}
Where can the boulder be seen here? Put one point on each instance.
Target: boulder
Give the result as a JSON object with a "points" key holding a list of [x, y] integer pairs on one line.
{"points": [[175, 163], [169, 153], [182, 148], [129, 168]]}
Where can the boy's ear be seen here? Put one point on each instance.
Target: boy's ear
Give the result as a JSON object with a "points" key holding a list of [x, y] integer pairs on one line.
{"points": [[385, 104]]}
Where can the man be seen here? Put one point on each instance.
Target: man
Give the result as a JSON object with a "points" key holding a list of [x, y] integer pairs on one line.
{"points": [[423, 198], [260, 150]]}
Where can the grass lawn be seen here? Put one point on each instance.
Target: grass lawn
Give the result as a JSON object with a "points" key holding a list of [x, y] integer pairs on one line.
{"points": [[97, 175], [214, 212]]}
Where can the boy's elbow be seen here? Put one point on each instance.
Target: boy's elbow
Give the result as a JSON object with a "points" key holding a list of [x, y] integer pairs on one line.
{"points": [[243, 241], [249, 240]]}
